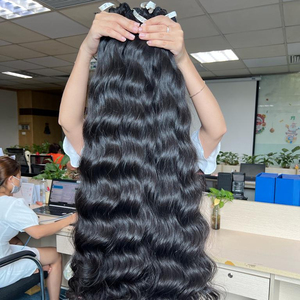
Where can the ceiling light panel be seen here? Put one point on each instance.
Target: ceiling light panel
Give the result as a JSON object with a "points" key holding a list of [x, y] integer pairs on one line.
{"points": [[11, 9], [215, 56]]}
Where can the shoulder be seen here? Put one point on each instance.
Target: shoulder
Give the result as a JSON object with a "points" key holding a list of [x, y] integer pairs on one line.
{"points": [[207, 165]]}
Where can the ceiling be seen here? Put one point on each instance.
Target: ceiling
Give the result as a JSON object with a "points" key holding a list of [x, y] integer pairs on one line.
{"points": [[263, 34]]}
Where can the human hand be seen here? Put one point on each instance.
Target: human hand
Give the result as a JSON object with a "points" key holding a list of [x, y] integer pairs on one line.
{"points": [[111, 25], [72, 219], [163, 32]]}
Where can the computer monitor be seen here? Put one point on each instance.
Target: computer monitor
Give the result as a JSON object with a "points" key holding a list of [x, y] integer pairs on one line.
{"points": [[20, 158], [251, 170]]}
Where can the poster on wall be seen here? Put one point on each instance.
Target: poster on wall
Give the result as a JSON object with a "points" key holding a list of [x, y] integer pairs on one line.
{"points": [[278, 113]]}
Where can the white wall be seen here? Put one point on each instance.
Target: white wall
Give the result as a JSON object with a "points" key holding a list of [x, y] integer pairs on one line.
{"points": [[8, 119], [237, 101]]}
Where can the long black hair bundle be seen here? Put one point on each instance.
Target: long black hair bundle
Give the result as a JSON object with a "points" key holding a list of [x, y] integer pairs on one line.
{"points": [[140, 234]]}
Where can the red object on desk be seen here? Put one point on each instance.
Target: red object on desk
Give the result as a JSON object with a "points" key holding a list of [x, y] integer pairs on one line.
{"points": [[39, 203]]}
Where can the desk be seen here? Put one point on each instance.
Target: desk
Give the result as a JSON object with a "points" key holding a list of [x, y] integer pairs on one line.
{"points": [[256, 250]]}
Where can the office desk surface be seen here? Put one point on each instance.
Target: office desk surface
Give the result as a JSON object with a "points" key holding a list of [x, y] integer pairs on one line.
{"points": [[256, 252]]}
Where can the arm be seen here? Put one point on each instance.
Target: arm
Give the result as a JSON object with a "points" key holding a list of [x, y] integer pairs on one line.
{"points": [[72, 106], [39, 231], [212, 120]]}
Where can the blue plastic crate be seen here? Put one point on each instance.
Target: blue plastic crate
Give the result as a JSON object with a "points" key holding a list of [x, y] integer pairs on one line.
{"points": [[265, 187], [287, 189]]}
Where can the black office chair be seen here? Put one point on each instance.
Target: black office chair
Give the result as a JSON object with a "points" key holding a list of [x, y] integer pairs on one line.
{"points": [[18, 288], [38, 162]]}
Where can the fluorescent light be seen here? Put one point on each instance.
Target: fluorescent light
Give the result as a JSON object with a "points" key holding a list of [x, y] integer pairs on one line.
{"points": [[16, 75], [10, 9], [215, 56]]}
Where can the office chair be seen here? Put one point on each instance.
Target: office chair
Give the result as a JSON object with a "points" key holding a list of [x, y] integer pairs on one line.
{"points": [[38, 162], [18, 288]]}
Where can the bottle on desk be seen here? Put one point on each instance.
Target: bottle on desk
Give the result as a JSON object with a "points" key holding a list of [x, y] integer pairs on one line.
{"points": [[43, 191]]}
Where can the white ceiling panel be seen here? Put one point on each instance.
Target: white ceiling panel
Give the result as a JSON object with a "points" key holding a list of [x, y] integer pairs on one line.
{"points": [[215, 6], [19, 52], [68, 57], [7, 83], [4, 69], [269, 70], [83, 14], [291, 13], [265, 62], [51, 47], [49, 61], [258, 52], [207, 74], [207, 44], [184, 9], [253, 29], [256, 38], [14, 33], [4, 43], [51, 79], [294, 49], [48, 72], [227, 65], [293, 34], [5, 58], [264, 17], [53, 25], [198, 27], [73, 41], [66, 69], [20, 65], [237, 72]]}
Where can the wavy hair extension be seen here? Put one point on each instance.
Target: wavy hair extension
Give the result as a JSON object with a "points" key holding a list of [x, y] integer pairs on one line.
{"points": [[140, 234]]}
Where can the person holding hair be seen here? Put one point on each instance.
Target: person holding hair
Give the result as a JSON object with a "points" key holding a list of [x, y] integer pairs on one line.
{"points": [[140, 234], [16, 216]]}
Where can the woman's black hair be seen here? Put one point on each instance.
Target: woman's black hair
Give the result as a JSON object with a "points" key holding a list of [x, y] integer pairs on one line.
{"points": [[140, 234]]}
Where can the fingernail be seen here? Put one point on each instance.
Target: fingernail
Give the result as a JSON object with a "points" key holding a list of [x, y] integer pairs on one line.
{"points": [[137, 24], [140, 29], [149, 43], [142, 35], [123, 38], [131, 36]]}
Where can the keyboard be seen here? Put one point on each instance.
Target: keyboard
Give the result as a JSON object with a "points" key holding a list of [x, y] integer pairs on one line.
{"points": [[53, 210]]}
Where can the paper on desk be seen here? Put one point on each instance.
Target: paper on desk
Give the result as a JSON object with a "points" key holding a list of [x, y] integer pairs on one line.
{"points": [[29, 192]]}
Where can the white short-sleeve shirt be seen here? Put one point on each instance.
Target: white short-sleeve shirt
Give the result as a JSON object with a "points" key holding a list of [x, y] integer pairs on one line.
{"points": [[207, 165], [15, 216]]}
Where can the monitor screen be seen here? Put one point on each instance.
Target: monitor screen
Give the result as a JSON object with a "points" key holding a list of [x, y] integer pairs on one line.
{"points": [[15, 150], [251, 170], [63, 192]]}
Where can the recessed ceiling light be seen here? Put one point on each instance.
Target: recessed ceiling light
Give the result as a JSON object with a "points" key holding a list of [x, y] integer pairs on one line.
{"points": [[215, 56], [16, 75], [10, 9]]}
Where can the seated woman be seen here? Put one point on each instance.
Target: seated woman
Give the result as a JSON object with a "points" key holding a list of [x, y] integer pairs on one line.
{"points": [[140, 234], [15, 217], [56, 153]]}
